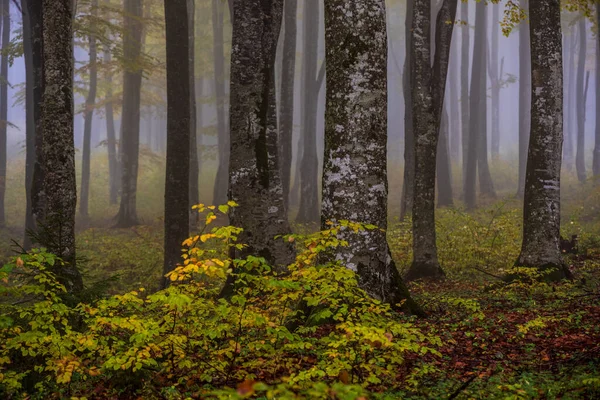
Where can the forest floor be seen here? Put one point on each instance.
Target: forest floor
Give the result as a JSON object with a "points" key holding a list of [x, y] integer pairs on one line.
{"points": [[525, 340]]}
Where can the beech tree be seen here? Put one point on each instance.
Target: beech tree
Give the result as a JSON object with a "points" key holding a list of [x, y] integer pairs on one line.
{"points": [[57, 219], [580, 94], [541, 214], [177, 183], [596, 156], [4, 106], [254, 168], [130, 122], [524, 98], [355, 170], [408, 184]]}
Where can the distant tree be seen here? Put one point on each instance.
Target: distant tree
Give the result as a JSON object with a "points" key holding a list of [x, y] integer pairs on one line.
{"points": [[524, 97], [221, 184], [286, 110], [355, 170], [254, 168], [443, 165], [429, 85], [130, 123], [57, 220], [541, 214], [408, 183], [495, 72], [309, 164], [111, 136], [4, 105], [596, 157], [464, 85], [88, 114], [177, 183], [569, 107], [580, 101]]}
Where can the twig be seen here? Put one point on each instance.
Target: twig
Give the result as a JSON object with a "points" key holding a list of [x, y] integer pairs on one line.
{"points": [[462, 387]]}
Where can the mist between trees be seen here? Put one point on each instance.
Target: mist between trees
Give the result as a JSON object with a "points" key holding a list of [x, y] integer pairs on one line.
{"points": [[376, 123]]}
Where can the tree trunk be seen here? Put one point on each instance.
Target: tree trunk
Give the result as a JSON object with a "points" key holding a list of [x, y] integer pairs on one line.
{"points": [[429, 85], [495, 71], [309, 168], [254, 177], [4, 106], [596, 157], [580, 103], [221, 184], [130, 123], [454, 117], [443, 167], [288, 75], [29, 124], [58, 217], [408, 184], [194, 161], [464, 88], [524, 98], [541, 214], [111, 139], [569, 94], [90, 104], [355, 170], [177, 182]]}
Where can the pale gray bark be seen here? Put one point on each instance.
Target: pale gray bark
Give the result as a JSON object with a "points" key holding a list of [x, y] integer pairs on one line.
{"points": [[355, 171], [495, 71], [541, 216], [130, 123], [580, 102], [464, 85], [194, 160], [254, 171], [443, 167], [4, 106], [524, 97], [596, 157], [111, 137], [59, 186], [309, 174], [408, 184], [569, 121]]}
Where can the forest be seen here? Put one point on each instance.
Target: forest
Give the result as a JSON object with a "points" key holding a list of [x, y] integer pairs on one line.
{"points": [[299, 199]]}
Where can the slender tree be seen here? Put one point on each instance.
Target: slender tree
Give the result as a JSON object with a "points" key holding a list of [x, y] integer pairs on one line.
{"points": [[524, 97], [408, 183], [254, 176], [29, 123], [4, 105], [443, 167], [309, 173], [541, 213], [194, 160], [88, 115], [288, 75], [111, 137], [355, 171], [130, 122], [596, 157], [569, 108], [57, 221], [464, 86], [580, 102], [177, 183], [221, 185], [495, 72], [429, 85]]}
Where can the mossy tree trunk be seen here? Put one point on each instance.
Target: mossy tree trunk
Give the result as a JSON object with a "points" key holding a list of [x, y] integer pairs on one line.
{"points": [[57, 221], [541, 214]]}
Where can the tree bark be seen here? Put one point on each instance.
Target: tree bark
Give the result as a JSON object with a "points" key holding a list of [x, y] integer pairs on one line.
{"points": [[355, 170], [194, 174], [221, 184], [29, 124], [464, 87], [254, 176], [130, 123], [59, 185], [495, 71], [596, 156], [408, 184], [524, 98], [288, 75], [541, 214], [177, 183], [569, 121], [4, 106], [309, 167], [428, 96], [580, 102], [111, 137], [443, 167], [90, 104]]}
